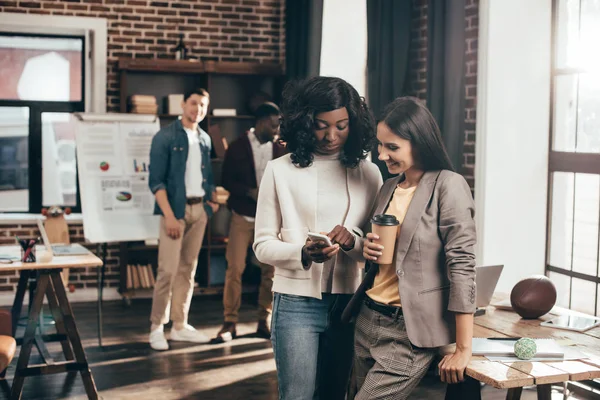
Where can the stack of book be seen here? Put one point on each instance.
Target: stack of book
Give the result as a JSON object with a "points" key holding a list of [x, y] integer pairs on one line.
{"points": [[143, 104], [224, 112], [140, 276]]}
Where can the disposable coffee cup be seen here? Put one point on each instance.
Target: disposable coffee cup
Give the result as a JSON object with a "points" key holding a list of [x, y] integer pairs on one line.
{"points": [[386, 227]]}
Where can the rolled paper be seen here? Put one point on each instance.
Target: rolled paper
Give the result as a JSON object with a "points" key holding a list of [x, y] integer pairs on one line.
{"points": [[525, 348]]}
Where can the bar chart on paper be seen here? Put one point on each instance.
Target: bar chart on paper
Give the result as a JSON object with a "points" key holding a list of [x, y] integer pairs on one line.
{"points": [[140, 166]]}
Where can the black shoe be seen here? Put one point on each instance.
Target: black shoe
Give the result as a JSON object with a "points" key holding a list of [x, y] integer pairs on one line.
{"points": [[227, 333], [263, 331]]}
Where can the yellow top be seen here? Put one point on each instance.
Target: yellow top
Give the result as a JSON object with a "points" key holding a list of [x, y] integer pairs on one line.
{"points": [[385, 286]]}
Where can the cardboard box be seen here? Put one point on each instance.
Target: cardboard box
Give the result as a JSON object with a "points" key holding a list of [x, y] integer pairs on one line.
{"points": [[174, 104]]}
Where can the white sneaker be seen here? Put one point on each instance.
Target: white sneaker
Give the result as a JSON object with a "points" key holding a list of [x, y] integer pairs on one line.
{"points": [[188, 334], [158, 340]]}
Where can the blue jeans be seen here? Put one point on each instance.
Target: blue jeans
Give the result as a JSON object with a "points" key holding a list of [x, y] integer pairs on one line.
{"points": [[313, 349]]}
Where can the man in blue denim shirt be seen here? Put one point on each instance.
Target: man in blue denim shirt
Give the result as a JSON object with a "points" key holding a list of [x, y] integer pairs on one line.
{"points": [[182, 182]]}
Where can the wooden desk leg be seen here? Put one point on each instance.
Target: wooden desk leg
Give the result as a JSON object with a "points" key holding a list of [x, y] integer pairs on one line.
{"points": [[514, 393], [544, 392], [73, 334], [18, 302], [469, 389], [58, 320], [29, 337]]}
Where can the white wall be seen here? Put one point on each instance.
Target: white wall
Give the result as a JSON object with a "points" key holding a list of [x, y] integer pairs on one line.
{"points": [[344, 41], [513, 111]]}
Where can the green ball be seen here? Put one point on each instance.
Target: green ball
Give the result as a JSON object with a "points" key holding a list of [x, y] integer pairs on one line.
{"points": [[525, 348]]}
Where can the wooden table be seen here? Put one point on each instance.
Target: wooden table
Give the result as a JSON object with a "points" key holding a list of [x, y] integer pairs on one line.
{"points": [[514, 375], [50, 285]]}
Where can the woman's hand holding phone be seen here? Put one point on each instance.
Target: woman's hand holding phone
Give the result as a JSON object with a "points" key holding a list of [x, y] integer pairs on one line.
{"points": [[320, 248], [317, 250]]}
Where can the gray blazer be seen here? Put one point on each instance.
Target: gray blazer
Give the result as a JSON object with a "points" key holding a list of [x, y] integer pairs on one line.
{"points": [[435, 256]]}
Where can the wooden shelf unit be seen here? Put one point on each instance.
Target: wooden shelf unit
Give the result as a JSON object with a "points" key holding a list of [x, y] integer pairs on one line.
{"points": [[198, 67], [174, 116], [230, 85]]}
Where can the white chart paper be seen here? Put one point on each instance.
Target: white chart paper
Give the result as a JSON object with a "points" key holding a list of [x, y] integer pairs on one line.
{"points": [[113, 155]]}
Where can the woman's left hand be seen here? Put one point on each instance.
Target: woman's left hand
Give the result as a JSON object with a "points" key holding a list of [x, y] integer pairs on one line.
{"points": [[341, 236], [452, 367]]}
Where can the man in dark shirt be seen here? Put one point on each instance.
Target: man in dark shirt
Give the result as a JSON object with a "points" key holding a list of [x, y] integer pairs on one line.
{"points": [[243, 168]]}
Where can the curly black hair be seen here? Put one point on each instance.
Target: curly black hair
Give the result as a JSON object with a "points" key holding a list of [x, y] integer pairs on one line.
{"points": [[303, 100]]}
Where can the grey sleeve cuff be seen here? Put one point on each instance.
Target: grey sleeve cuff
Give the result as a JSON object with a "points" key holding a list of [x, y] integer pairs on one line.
{"points": [[463, 298]]}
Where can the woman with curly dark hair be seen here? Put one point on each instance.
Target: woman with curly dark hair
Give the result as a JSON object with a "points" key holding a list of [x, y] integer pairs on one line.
{"points": [[326, 186]]}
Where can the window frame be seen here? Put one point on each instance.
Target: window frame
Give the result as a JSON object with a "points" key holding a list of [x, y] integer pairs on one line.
{"points": [[36, 108], [569, 162]]}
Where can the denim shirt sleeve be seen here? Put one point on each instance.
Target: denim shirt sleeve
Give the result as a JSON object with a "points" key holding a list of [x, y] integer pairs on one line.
{"points": [[159, 161]]}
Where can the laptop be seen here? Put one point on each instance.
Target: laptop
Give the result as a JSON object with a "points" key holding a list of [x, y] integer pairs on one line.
{"points": [[60, 249], [486, 279]]}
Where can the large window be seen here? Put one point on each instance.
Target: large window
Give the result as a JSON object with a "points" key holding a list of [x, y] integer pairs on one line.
{"points": [[573, 240], [42, 80]]}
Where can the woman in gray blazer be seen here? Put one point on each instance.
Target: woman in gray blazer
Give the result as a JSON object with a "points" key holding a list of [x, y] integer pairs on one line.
{"points": [[426, 298]]}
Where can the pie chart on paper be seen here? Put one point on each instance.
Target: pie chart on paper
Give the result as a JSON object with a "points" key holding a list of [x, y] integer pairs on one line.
{"points": [[104, 166], [124, 196]]}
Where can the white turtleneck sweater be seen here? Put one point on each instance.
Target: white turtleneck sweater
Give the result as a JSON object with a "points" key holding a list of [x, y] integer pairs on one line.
{"points": [[332, 204], [287, 211]]}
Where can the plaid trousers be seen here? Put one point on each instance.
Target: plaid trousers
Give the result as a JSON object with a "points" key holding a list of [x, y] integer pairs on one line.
{"points": [[386, 364]]}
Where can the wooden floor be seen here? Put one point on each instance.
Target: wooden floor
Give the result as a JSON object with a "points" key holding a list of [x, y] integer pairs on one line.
{"points": [[126, 368]]}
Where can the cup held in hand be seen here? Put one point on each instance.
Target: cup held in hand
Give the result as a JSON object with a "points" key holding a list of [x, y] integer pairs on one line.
{"points": [[386, 227]]}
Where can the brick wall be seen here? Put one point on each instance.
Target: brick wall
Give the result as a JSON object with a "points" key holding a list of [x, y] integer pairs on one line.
{"points": [[417, 68], [417, 85], [220, 30], [471, 35], [79, 277]]}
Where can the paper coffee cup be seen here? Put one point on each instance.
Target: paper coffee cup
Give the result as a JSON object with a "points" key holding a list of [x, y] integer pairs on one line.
{"points": [[386, 227]]}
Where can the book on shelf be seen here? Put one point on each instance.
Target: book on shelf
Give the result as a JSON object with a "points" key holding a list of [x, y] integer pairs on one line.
{"points": [[142, 99], [144, 110], [151, 273], [140, 276], [129, 277], [224, 112], [147, 275], [135, 277], [142, 104]]}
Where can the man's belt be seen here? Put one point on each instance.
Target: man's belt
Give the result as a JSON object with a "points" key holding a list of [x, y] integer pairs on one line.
{"points": [[194, 200]]}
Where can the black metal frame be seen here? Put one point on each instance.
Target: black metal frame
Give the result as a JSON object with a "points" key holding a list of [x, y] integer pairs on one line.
{"points": [[36, 108], [559, 161]]}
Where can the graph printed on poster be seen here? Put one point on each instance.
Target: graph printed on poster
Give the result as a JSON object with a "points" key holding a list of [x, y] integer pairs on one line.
{"points": [[113, 158]]}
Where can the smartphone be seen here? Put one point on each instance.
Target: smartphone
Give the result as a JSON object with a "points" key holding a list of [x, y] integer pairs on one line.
{"points": [[318, 237]]}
